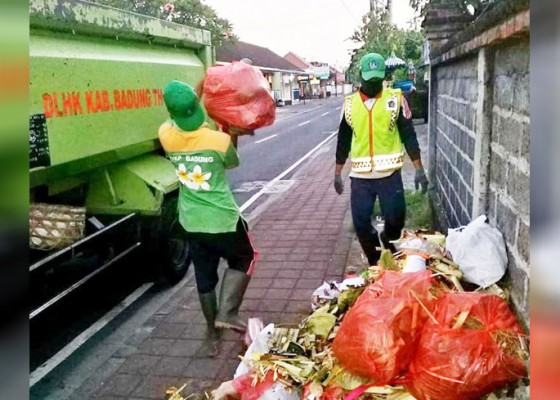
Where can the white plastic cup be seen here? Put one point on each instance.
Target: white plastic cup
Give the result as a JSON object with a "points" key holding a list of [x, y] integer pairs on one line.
{"points": [[414, 263]]}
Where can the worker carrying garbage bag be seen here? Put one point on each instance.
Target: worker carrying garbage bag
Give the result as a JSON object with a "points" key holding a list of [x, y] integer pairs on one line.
{"points": [[207, 209], [377, 122]]}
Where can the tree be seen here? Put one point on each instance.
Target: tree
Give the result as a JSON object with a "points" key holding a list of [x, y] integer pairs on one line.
{"points": [[378, 34], [187, 12], [418, 5], [412, 47]]}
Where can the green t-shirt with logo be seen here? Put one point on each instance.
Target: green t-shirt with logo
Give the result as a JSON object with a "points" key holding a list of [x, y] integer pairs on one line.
{"points": [[201, 157]]}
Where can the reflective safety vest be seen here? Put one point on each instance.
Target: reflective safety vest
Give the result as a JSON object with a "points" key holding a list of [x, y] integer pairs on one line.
{"points": [[376, 143]]}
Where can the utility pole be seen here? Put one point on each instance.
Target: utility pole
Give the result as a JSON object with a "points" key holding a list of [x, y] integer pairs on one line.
{"points": [[335, 83]]}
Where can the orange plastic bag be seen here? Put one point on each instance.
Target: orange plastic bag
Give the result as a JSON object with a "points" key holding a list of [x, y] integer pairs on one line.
{"points": [[378, 336], [238, 95], [472, 349]]}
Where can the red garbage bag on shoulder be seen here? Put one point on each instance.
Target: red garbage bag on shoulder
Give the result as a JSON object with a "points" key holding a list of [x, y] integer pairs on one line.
{"points": [[378, 336], [238, 95], [474, 347]]}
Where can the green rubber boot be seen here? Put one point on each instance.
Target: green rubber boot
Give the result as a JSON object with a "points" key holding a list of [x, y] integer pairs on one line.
{"points": [[233, 289], [209, 305]]}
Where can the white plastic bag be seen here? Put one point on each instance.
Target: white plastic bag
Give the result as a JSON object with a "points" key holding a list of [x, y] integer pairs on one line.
{"points": [[278, 391], [254, 326], [259, 345], [480, 251], [332, 290]]}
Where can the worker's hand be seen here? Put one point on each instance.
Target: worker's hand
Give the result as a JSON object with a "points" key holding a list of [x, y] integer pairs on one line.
{"points": [[235, 131], [420, 180], [226, 391], [338, 185]]}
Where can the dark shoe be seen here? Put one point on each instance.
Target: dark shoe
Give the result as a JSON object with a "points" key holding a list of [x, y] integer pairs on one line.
{"points": [[209, 305], [233, 289]]}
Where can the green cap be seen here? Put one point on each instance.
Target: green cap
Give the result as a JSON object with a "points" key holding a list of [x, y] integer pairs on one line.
{"points": [[183, 105], [372, 65]]}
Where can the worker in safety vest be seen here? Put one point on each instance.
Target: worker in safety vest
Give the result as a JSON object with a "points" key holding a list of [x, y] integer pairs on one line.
{"points": [[377, 122], [207, 209]]}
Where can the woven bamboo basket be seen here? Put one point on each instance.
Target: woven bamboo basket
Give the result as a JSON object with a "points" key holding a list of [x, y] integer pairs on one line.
{"points": [[54, 226]]}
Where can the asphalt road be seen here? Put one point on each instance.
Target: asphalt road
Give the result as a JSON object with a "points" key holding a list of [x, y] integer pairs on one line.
{"points": [[273, 149], [297, 130]]}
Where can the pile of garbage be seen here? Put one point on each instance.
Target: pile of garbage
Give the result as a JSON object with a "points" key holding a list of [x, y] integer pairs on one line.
{"points": [[404, 329]]}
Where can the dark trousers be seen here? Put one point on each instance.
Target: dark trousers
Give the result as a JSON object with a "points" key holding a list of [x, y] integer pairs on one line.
{"points": [[393, 209], [206, 249]]}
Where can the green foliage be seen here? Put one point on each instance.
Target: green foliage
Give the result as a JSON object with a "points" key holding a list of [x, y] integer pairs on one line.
{"points": [[412, 46], [193, 13], [419, 214], [400, 74], [418, 5], [379, 35]]}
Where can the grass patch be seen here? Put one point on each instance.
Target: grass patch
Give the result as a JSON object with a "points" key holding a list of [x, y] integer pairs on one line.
{"points": [[419, 214]]}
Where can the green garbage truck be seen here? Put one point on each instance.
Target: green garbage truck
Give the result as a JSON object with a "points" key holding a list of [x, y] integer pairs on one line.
{"points": [[100, 186]]}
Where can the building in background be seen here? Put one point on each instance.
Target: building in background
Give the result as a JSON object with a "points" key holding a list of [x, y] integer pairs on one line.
{"points": [[321, 75], [304, 80], [320, 79], [280, 73]]}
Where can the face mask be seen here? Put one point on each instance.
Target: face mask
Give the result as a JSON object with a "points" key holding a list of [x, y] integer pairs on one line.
{"points": [[372, 87]]}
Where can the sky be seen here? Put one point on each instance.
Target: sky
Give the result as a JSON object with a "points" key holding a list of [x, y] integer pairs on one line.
{"points": [[317, 30]]}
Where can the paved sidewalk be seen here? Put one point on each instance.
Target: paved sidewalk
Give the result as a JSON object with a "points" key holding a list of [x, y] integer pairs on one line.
{"points": [[302, 241]]}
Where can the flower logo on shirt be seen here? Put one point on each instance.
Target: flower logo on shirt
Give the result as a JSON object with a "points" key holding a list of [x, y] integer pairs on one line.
{"points": [[182, 174], [194, 180]]}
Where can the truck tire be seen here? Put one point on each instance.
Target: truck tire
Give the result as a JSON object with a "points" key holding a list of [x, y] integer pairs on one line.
{"points": [[166, 243], [177, 259]]}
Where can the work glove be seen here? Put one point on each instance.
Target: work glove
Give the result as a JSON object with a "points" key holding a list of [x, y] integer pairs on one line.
{"points": [[338, 185], [420, 180]]}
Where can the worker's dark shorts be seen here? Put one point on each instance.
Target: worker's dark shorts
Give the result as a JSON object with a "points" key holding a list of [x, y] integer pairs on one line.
{"points": [[206, 249]]}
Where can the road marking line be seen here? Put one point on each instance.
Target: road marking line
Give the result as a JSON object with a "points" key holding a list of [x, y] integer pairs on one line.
{"points": [[40, 372], [304, 123], [322, 115], [254, 198], [301, 113], [266, 138], [338, 108]]}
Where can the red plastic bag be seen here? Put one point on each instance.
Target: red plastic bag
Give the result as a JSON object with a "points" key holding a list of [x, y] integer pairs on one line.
{"points": [[243, 385], [378, 336], [333, 393], [238, 95], [461, 356], [397, 284]]}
